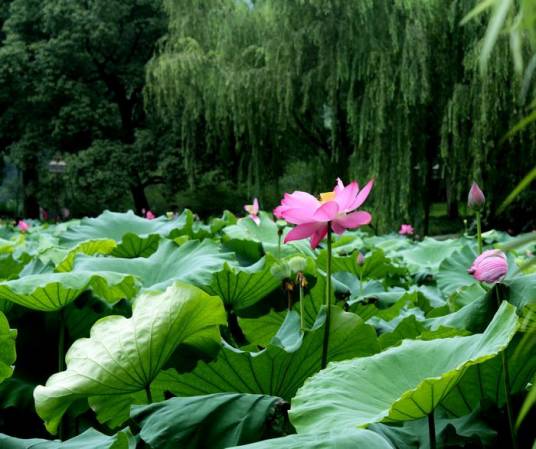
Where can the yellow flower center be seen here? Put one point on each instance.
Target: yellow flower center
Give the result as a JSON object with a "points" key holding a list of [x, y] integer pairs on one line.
{"points": [[327, 196]]}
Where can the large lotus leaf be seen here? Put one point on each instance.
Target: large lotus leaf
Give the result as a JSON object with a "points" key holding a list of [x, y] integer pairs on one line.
{"points": [[485, 381], [449, 432], [401, 383], [412, 328], [521, 290], [260, 331], [375, 265], [390, 244], [214, 421], [428, 254], [53, 291], [90, 247], [242, 287], [193, 262], [10, 267], [253, 241], [473, 317], [453, 274], [334, 439], [90, 439], [123, 356], [7, 348], [283, 365], [136, 236]]}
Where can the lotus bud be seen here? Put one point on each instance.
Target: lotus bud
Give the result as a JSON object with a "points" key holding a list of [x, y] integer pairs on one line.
{"points": [[280, 271], [476, 198], [23, 226], [491, 266], [360, 258], [297, 264]]}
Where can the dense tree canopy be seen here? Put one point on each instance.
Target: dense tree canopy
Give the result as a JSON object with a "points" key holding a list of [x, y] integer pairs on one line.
{"points": [[369, 88], [72, 75], [257, 97]]}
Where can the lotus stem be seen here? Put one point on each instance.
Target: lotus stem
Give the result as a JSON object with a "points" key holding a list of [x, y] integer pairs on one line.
{"points": [[302, 325], [327, 302], [431, 430], [61, 363], [479, 231], [148, 394], [61, 342], [506, 385]]}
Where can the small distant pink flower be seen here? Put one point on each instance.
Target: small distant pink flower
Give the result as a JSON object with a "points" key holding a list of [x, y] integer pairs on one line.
{"points": [[23, 226], [149, 215], [253, 210], [491, 266], [312, 216], [406, 229], [476, 198], [360, 258]]}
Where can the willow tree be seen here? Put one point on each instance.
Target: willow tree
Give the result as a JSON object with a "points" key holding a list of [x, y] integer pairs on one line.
{"points": [[362, 88]]}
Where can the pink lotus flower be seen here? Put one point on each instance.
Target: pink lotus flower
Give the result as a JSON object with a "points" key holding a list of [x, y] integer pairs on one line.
{"points": [[406, 229], [253, 210], [313, 216], [23, 226], [476, 198], [149, 215], [491, 266]]}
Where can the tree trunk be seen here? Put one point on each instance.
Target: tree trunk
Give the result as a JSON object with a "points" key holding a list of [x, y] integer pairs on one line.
{"points": [[140, 199], [29, 188]]}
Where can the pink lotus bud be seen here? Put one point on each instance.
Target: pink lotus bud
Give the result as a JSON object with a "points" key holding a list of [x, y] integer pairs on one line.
{"points": [[476, 198], [491, 266], [360, 258], [23, 226], [149, 215], [406, 229]]}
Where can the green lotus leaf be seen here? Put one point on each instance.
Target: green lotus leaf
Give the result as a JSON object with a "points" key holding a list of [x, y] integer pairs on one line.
{"points": [[428, 254], [53, 291], [411, 328], [521, 290], [450, 432], [283, 365], [453, 274], [375, 265], [123, 356], [7, 348], [135, 236], [391, 386], [390, 244], [90, 247], [193, 262], [242, 287], [214, 421], [10, 267], [90, 439], [260, 331], [349, 439], [485, 381]]}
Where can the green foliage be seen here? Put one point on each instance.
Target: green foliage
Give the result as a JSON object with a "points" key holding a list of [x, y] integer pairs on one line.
{"points": [[410, 333], [360, 392], [336, 99], [215, 421], [123, 356]]}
